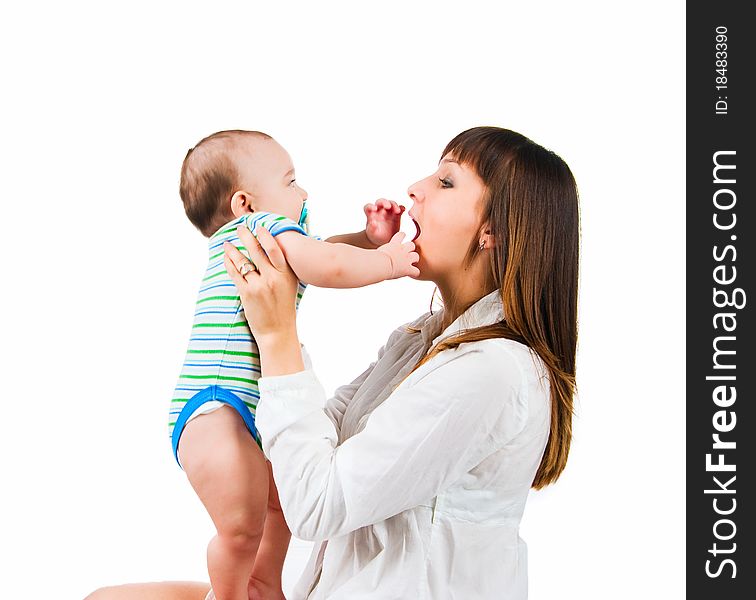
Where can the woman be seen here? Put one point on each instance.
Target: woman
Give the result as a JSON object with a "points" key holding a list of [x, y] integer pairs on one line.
{"points": [[414, 477]]}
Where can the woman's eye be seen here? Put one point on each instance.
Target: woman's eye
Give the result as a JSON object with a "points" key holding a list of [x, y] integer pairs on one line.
{"points": [[445, 183]]}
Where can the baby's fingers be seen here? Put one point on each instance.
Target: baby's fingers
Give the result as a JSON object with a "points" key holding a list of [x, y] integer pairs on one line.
{"points": [[397, 237], [409, 268], [390, 206]]}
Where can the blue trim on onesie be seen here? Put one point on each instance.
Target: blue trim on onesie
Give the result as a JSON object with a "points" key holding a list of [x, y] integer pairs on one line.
{"points": [[210, 393], [283, 229]]}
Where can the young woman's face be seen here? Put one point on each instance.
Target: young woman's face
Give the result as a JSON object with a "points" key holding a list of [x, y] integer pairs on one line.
{"points": [[447, 207]]}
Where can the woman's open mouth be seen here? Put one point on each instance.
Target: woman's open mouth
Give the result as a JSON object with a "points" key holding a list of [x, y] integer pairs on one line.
{"points": [[417, 227]]}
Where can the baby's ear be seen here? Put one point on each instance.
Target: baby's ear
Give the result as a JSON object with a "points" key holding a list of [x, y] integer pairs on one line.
{"points": [[241, 203]]}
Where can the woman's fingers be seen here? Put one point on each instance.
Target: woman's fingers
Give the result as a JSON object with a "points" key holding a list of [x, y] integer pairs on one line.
{"points": [[272, 249], [234, 264], [264, 250], [252, 245], [238, 260], [232, 270]]}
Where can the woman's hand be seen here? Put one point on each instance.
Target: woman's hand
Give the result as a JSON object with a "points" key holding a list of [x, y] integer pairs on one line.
{"points": [[267, 288]]}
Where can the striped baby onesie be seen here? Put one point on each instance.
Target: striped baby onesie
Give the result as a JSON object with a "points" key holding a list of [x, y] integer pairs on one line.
{"points": [[222, 362]]}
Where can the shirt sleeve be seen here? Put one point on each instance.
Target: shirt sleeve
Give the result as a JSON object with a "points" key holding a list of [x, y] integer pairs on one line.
{"points": [[274, 223], [466, 404]]}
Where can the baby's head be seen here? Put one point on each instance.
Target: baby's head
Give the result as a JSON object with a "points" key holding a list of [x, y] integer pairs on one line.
{"points": [[231, 173]]}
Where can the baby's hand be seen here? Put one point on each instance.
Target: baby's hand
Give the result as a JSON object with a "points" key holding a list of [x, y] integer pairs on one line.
{"points": [[383, 219], [402, 256]]}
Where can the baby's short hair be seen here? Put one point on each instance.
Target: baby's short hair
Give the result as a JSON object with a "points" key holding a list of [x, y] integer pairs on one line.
{"points": [[209, 176]]}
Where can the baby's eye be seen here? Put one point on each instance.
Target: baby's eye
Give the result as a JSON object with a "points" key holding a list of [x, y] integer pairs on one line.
{"points": [[292, 181], [445, 183]]}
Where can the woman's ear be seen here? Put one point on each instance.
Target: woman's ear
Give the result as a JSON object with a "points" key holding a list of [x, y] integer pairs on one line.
{"points": [[486, 240], [241, 203]]}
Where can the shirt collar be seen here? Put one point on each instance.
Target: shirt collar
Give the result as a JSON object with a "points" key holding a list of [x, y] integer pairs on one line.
{"points": [[486, 311]]}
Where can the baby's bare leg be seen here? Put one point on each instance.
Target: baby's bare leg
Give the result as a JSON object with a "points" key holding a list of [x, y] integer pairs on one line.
{"points": [[266, 573], [166, 590], [227, 470]]}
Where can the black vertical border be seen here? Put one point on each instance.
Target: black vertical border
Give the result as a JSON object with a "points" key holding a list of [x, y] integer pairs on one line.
{"points": [[707, 133]]}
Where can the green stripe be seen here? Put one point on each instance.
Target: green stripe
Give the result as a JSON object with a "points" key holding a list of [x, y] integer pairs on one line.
{"points": [[223, 377], [224, 362], [232, 352], [223, 272], [241, 249], [209, 298], [239, 324]]}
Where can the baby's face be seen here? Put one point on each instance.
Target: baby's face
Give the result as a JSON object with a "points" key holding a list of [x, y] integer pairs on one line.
{"points": [[267, 174]]}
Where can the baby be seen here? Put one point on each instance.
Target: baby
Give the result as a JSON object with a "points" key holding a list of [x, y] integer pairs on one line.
{"points": [[246, 178]]}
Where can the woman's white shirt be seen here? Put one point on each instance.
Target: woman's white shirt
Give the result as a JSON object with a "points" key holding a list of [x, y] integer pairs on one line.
{"points": [[415, 486]]}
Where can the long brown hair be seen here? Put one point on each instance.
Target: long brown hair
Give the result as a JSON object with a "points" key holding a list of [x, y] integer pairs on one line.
{"points": [[531, 210]]}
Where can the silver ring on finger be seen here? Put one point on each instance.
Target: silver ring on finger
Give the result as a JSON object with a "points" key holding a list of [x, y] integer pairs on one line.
{"points": [[247, 267]]}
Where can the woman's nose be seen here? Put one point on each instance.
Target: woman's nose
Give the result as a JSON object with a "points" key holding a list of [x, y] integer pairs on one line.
{"points": [[415, 192]]}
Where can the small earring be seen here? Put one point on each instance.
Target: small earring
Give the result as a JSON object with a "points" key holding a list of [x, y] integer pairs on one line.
{"points": [[482, 244]]}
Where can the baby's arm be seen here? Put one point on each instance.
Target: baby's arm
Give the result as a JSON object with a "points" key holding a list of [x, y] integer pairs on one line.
{"points": [[337, 265], [359, 239], [383, 219]]}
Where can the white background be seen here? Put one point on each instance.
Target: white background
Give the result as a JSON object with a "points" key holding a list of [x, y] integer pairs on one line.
{"points": [[102, 100]]}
